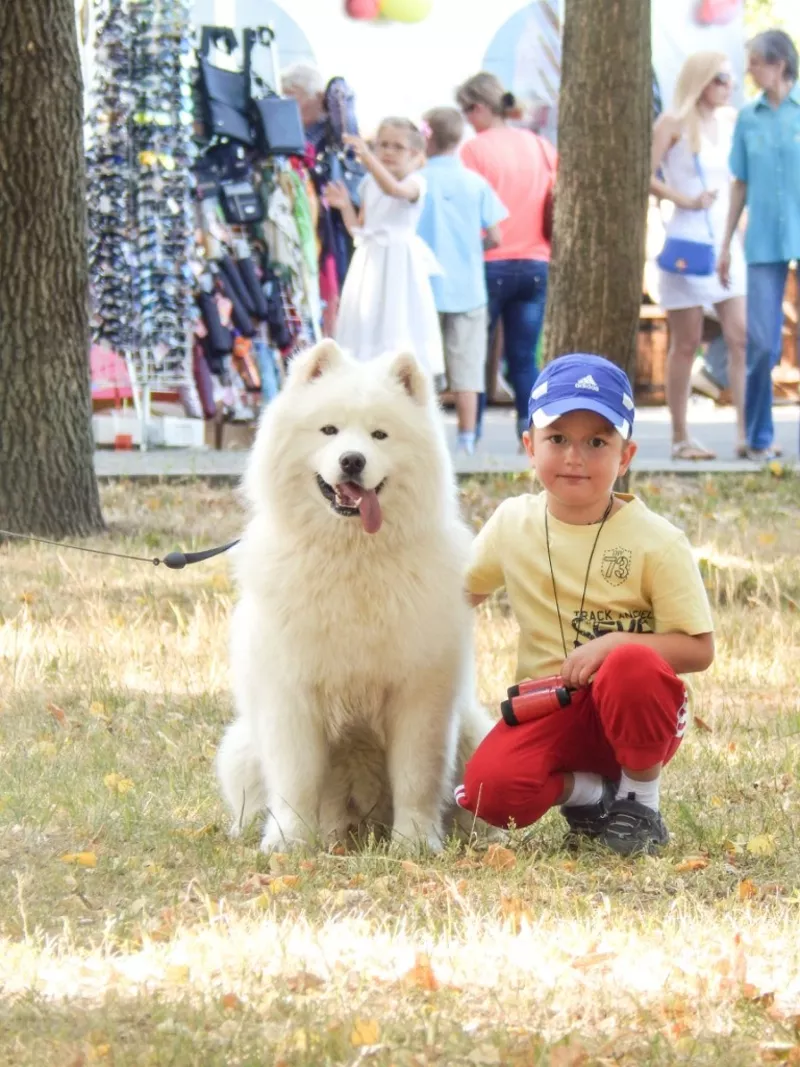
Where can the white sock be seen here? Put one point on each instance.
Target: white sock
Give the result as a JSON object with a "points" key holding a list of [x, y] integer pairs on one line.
{"points": [[647, 793], [588, 789]]}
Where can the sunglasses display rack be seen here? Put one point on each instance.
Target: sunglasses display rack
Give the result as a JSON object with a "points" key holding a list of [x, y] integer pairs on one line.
{"points": [[205, 304], [140, 215]]}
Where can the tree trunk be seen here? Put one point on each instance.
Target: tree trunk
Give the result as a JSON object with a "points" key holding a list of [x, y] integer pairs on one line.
{"points": [[605, 117], [47, 481]]}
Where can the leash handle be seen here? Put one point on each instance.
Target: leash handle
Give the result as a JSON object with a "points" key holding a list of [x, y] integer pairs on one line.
{"points": [[176, 561]]}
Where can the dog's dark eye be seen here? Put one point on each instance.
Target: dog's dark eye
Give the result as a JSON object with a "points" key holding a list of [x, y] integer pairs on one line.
{"points": [[379, 435], [329, 431]]}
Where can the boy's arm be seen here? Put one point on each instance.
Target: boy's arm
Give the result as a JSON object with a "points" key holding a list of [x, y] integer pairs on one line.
{"points": [[684, 639], [491, 238], [685, 653], [485, 572]]}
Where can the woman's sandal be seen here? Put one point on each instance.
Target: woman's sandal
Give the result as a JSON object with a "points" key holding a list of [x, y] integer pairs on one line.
{"points": [[692, 450]]}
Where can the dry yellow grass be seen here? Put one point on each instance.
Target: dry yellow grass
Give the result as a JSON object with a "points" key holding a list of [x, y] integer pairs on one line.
{"points": [[133, 932]]}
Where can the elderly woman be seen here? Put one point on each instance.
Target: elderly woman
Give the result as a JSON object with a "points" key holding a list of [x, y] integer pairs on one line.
{"points": [[765, 162], [305, 83]]}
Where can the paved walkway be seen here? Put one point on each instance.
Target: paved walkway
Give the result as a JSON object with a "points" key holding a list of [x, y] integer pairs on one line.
{"points": [[498, 451]]}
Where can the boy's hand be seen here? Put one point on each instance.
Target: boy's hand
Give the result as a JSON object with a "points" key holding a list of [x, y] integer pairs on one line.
{"points": [[585, 661]]}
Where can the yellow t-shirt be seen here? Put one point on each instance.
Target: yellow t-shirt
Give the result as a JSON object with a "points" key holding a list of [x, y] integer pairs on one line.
{"points": [[643, 578]]}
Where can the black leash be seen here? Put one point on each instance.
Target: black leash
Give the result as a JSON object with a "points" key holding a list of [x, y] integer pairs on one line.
{"points": [[176, 561]]}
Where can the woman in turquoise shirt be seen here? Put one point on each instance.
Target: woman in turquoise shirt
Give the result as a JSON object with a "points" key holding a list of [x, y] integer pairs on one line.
{"points": [[765, 163]]}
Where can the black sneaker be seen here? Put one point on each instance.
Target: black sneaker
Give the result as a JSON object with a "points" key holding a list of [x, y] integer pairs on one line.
{"points": [[587, 821], [633, 828]]}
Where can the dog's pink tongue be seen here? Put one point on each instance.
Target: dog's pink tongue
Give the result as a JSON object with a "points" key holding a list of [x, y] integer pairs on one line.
{"points": [[366, 500]]}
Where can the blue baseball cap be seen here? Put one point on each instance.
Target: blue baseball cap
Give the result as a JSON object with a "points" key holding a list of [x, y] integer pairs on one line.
{"points": [[582, 382]]}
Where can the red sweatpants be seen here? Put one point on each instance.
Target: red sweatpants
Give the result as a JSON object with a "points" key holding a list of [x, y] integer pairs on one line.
{"points": [[633, 715]]}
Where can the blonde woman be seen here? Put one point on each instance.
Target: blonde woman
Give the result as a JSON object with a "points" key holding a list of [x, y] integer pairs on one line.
{"points": [[520, 166], [691, 146]]}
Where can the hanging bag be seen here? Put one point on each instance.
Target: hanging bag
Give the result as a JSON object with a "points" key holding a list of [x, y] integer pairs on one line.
{"points": [[224, 93], [340, 164], [695, 258], [276, 119]]}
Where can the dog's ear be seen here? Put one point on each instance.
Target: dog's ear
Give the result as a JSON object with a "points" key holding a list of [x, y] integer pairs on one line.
{"points": [[316, 361], [411, 376]]}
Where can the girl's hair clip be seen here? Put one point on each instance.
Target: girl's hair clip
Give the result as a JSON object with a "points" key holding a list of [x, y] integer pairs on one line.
{"points": [[424, 129], [509, 100]]}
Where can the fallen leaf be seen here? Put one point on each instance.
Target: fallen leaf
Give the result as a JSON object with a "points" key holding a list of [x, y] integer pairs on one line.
{"points": [[58, 714], [82, 859], [277, 861], [365, 1032], [701, 724], [761, 845], [571, 1055], [776, 469], [411, 868], [117, 784], [27, 598], [592, 959], [514, 912], [766, 539], [98, 1052], [199, 831], [692, 863], [177, 973], [308, 866], [499, 858], [230, 1002], [304, 982], [283, 882], [97, 709], [421, 975], [747, 889]]}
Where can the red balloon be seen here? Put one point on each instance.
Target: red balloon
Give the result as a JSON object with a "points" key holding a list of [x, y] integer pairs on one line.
{"points": [[363, 9]]}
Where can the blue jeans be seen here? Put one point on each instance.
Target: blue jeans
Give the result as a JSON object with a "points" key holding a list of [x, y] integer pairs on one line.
{"points": [[766, 283], [517, 292]]}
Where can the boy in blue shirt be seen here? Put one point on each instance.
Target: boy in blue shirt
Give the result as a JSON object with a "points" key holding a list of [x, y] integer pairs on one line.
{"points": [[459, 222]]}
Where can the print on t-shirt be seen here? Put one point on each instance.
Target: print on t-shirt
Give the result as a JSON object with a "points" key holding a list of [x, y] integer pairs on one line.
{"points": [[616, 565], [587, 625]]}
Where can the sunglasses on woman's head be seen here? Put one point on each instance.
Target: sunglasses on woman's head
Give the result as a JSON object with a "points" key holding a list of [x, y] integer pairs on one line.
{"points": [[467, 108], [721, 79]]}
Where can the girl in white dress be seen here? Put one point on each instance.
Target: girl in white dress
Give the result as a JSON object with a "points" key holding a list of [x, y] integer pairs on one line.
{"points": [[387, 303], [699, 129]]}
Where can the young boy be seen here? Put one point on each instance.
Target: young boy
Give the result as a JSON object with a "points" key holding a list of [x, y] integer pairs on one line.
{"points": [[459, 207], [606, 594]]}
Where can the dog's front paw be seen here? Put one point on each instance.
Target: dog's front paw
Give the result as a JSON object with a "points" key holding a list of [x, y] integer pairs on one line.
{"points": [[284, 837], [413, 832]]}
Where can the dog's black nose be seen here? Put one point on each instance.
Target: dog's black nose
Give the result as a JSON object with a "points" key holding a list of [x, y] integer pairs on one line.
{"points": [[352, 463]]}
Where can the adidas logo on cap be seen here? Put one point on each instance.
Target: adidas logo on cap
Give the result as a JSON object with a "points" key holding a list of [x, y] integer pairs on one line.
{"points": [[587, 382]]}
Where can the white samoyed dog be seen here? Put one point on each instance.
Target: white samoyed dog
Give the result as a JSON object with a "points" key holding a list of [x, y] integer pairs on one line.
{"points": [[352, 638]]}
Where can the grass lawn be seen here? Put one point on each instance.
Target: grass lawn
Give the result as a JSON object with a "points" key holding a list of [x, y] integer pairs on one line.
{"points": [[132, 931]]}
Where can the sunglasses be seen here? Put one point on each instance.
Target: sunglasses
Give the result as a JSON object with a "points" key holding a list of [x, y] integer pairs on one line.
{"points": [[469, 108], [721, 79]]}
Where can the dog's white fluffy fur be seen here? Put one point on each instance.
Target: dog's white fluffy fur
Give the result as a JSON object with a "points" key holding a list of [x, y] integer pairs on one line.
{"points": [[351, 651]]}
